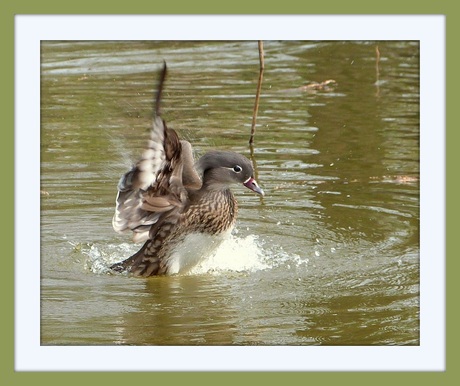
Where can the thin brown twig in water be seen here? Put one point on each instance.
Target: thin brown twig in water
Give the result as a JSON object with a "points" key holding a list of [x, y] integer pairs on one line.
{"points": [[259, 87], [256, 108]]}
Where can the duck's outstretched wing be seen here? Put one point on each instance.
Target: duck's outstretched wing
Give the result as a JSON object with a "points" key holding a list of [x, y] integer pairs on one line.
{"points": [[153, 186]]}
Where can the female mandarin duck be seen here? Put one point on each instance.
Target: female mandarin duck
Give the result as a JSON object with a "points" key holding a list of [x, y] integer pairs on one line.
{"points": [[181, 209]]}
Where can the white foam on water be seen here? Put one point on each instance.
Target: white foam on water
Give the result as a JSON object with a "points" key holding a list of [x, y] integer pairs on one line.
{"points": [[235, 254], [100, 259]]}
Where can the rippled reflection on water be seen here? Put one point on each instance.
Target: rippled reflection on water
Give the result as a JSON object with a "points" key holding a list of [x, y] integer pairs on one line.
{"points": [[329, 256]]}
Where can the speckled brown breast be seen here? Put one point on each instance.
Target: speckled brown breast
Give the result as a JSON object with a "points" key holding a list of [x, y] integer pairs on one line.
{"points": [[213, 212]]}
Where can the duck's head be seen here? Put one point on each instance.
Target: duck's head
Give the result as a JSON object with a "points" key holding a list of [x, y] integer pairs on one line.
{"points": [[219, 169]]}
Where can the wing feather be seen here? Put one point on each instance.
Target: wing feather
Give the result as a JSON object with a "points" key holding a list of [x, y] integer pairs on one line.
{"points": [[154, 186]]}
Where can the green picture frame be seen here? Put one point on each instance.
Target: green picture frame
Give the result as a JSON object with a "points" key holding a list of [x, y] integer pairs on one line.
{"points": [[10, 9]]}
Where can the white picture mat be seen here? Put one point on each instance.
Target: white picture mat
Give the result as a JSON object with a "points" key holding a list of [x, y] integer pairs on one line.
{"points": [[429, 30]]}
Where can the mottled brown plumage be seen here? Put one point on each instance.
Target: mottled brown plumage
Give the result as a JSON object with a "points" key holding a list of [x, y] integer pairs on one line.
{"points": [[181, 210]]}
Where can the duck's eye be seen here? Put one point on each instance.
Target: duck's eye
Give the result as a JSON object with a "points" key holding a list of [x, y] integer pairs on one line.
{"points": [[237, 168]]}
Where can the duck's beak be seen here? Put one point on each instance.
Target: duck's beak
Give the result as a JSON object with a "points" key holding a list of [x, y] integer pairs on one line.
{"points": [[251, 183]]}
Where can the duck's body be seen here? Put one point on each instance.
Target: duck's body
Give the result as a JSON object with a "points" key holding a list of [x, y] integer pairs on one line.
{"points": [[181, 210]]}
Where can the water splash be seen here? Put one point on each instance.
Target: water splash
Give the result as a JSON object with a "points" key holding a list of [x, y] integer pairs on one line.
{"points": [[236, 254], [100, 259]]}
